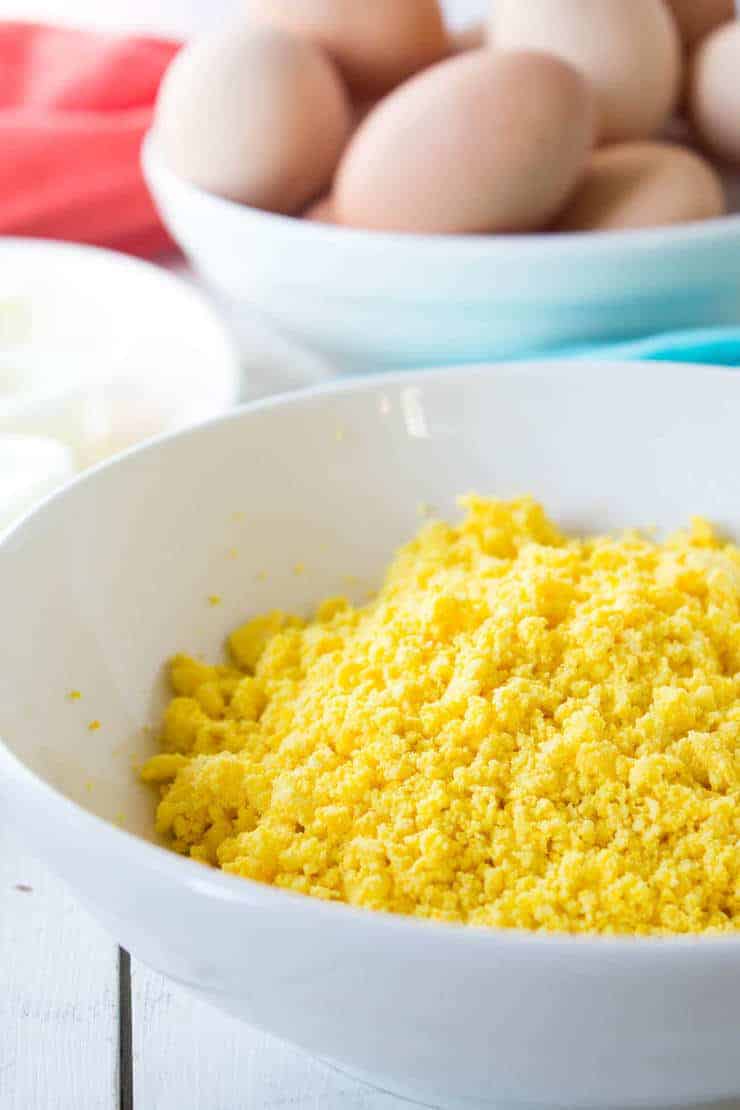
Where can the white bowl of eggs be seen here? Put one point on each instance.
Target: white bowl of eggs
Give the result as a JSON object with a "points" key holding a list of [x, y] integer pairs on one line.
{"points": [[391, 194]]}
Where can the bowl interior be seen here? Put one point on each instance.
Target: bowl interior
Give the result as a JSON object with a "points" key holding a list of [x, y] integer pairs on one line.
{"points": [[296, 499]]}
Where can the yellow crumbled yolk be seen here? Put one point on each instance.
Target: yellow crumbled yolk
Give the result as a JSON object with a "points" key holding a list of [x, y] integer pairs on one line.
{"points": [[520, 730]]}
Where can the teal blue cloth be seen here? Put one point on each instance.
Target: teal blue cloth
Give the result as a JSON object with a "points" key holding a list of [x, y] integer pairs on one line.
{"points": [[710, 347]]}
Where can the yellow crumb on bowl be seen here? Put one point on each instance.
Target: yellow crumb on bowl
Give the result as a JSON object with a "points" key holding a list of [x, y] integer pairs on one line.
{"points": [[214, 599], [520, 730], [94, 726], [74, 695]]}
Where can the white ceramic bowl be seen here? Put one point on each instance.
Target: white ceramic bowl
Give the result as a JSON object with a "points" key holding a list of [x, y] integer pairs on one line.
{"points": [[457, 1017], [369, 300]]}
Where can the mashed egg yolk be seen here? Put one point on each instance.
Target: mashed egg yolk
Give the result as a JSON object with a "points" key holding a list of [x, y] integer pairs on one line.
{"points": [[521, 730]]}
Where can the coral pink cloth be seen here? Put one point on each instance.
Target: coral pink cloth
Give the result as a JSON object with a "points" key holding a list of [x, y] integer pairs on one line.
{"points": [[74, 107]]}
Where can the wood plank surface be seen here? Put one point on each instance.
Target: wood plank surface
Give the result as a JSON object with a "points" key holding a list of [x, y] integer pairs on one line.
{"points": [[188, 1056], [58, 994]]}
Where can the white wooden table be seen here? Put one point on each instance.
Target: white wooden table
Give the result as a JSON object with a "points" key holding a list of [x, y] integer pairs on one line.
{"points": [[83, 1028]]}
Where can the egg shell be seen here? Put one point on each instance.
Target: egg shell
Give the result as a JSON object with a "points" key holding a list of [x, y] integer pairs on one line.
{"points": [[361, 109], [482, 142], [629, 49], [473, 37], [697, 18], [255, 115], [322, 212], [643, 184], [376, 43], [714, 92]]}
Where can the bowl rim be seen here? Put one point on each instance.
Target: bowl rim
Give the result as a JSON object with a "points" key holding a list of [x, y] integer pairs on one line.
{"points": [[113, 841], [575, 244]]}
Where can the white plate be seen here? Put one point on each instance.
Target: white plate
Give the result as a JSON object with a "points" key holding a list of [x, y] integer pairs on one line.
{"points": [[30, 468], [101, 350]]}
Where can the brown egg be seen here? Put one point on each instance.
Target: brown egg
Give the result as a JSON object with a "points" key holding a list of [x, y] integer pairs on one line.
{"points": [[361, 109], [473, 37], [376, 43], [714, 93], [482, 142], [258, 116], [643, 184], [628, 49], [696, 18], [322, 212]]}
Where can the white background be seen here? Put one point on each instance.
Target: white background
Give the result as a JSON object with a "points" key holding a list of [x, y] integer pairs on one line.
{"points": [[177, 17]]}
